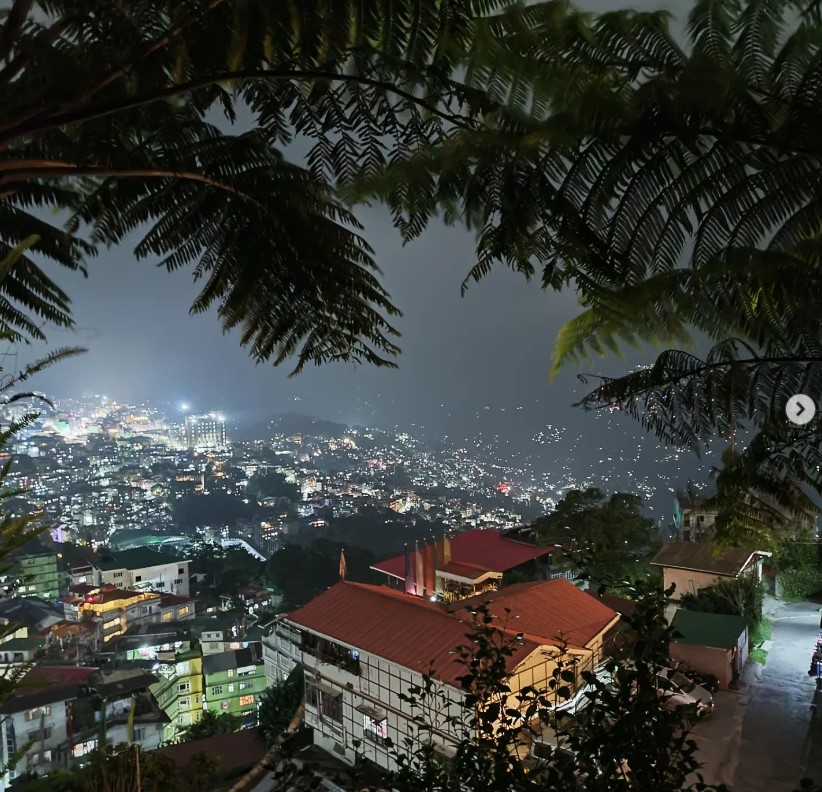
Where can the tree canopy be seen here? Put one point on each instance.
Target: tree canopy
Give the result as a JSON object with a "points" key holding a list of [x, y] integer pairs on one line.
{"points": [[674, 184], [271, 484], [612, 532]]}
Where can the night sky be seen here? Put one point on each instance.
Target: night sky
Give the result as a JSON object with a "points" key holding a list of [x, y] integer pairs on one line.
{"points": [[468, 363]]}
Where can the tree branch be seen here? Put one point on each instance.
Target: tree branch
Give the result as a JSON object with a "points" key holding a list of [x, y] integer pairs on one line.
{"points": [[17, 16], [60, 170], [172, 91]]}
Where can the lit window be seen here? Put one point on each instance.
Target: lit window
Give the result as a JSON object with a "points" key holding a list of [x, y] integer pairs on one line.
{"points": [[230, 673], [246, 701], [231, 688]]}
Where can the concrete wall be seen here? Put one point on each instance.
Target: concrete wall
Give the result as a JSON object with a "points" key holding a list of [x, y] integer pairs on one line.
{"points": [[687, 581], [705, 660]]}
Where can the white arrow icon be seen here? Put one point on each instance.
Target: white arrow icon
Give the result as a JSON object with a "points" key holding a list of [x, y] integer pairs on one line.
{"points": [[800, 409]]}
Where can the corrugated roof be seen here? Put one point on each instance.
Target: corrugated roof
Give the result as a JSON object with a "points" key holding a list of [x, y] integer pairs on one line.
{"points": [[718, 630], [702, 557], [488, 550], [407, 630], [410, 631], [235, 658], [554, 610]]}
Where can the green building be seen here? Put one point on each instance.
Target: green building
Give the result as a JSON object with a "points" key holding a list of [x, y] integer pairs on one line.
{"points": [[36, 566], [179, 688], [234, 681]]}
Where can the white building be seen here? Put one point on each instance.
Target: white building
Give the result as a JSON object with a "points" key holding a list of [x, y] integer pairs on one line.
{"points": [[362, 646], [139, 569], [205, 432], [39, 714]]}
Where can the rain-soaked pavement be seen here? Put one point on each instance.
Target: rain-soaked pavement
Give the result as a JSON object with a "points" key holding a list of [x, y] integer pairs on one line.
{"points": [[767, 736]]}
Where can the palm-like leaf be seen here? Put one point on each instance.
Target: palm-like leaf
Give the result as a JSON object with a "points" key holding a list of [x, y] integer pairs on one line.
{"points": [[108, 112], [679, 188]]}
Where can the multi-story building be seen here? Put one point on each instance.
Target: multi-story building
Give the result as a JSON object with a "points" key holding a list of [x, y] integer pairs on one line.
{"points": [[234, 681], [179, 689], [39, 715], [205, 432], [363, 647], [36, 568], [139, 568]]}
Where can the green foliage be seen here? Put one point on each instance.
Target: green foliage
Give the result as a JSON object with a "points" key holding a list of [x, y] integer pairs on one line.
{"points": [[674, 184], [796, 559], [109, 118], [209, 725], [743, 596], [279, 704], [272, 485], [614, 534], [299, 573]]}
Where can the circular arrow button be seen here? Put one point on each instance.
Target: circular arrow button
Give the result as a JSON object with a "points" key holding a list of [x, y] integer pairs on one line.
{"points": [[800, 409]]}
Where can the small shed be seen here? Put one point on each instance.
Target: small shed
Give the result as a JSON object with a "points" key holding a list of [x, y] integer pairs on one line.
{"points": [[711, 643]]}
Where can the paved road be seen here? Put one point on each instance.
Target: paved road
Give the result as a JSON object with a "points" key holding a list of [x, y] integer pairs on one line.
{"points": [[766, 737]]}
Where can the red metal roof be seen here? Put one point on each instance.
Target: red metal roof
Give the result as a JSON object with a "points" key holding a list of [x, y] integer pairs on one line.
{"points": [[410, 631], [44, 675], [489, 550], [555, 610], [414, 632]]}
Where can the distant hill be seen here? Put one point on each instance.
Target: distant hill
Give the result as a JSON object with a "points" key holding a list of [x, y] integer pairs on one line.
{"points": [[294, 423]]}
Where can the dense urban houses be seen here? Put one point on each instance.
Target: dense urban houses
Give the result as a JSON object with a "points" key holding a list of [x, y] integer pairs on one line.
{"points": [[363, 646], [233, 682], [465, 564], [139, 568]]}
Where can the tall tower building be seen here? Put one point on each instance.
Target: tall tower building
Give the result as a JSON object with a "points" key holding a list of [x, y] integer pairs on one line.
{"points": [[205, 432]]}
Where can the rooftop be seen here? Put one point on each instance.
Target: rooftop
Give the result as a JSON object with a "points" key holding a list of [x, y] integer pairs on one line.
{"points": [[236, 658], [410, 631], [235, 751], [486, 550], [137, 558], [704, 557], [718, 630], [550, 611]]}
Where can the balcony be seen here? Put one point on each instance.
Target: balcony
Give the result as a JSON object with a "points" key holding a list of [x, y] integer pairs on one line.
{"points": [[332, 653]]}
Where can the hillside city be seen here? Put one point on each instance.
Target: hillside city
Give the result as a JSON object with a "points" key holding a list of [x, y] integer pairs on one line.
{"points": [[193, 587]]}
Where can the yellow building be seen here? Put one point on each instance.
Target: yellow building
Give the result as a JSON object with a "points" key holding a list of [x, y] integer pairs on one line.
{"points": [[179, 692]]}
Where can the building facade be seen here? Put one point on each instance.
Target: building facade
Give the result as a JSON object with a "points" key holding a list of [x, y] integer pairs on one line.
{"points": [[39, 574], [205, 432], [364, 647], [179, 689], [233, 682]]}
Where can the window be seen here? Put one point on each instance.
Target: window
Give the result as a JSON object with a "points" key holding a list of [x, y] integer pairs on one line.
{"points": [[224, 705], [184, 687], [197, 699], [37, 758], [138, 578], [375, 731], [217, 691], [183, 611], [36, 713], [231, 688], [246, 685], [246, 701], [167, 616], [140, 733], [213, 645], [185, 701], [181, 571], [230, 673], [331, 706], [184, 668], [35, 736], [312, 695], [177, 581], [118, 574]]}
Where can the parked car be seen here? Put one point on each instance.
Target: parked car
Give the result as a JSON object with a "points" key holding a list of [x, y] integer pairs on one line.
{"points": [[580, 698], [679, 691]]}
